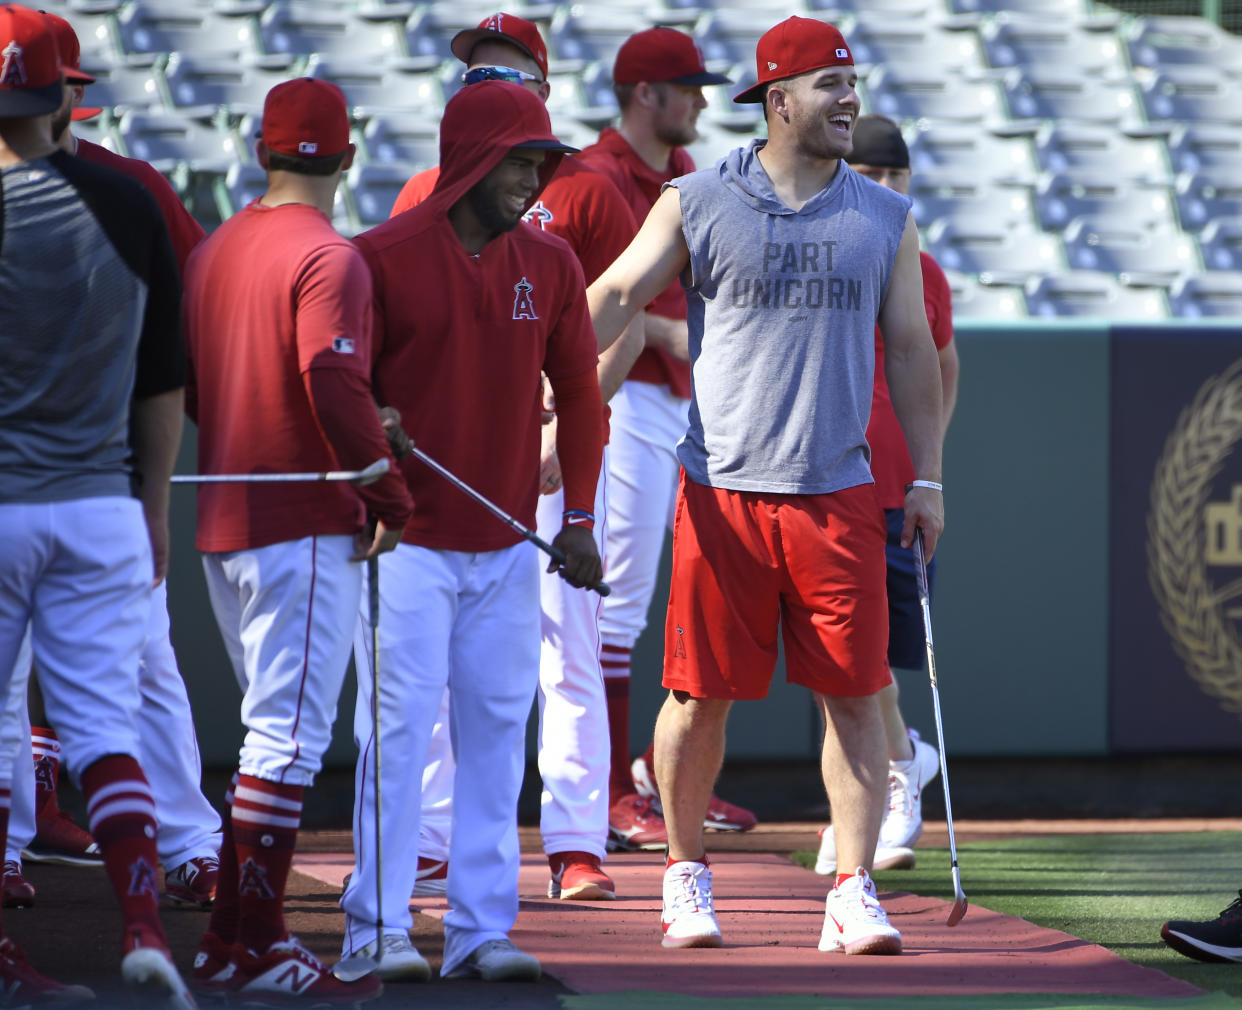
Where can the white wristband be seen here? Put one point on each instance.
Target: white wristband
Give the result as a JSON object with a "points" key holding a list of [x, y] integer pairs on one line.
{"points": [[931, 485]]}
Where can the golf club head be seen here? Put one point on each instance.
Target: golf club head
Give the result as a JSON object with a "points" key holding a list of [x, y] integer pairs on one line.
{"points": [[960, 904], [372, 473], [354, 967]]}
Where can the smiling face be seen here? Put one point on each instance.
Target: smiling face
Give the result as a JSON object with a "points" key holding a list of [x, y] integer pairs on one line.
{"points": [[501, 197], [821, 108]]}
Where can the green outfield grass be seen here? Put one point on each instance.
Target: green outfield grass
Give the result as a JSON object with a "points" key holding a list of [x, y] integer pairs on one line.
{"points": [[1114, 890]]}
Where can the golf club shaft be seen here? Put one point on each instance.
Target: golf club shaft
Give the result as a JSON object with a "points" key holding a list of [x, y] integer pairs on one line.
{"points": [[373, 594], [554, 553], [365, 475]]}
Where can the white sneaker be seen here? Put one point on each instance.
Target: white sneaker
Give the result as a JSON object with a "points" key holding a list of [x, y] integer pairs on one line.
{"points": [[903, 820], [854, 922], [399, 960], [689, 917], [498, 961]]}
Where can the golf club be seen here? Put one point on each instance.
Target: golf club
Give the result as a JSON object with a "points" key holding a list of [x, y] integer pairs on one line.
{"points": [[354, 967], [600, 587], [960, 903], [367, 475]]}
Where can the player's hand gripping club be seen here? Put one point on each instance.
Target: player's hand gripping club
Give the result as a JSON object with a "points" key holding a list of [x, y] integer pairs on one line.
{"points": [[924, 510], [583, 567]]}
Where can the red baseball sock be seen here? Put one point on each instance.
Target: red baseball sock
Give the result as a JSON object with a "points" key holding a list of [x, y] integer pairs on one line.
{"points": [[122, 819], [617, 694], [226, 909], [265, 819]]}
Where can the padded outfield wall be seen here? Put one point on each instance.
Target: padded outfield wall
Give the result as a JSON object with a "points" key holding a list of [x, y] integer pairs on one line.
{"points": [[1089, 596]]}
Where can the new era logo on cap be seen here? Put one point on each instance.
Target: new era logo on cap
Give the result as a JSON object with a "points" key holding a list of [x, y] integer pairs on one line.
{"points": [[771, 65]]}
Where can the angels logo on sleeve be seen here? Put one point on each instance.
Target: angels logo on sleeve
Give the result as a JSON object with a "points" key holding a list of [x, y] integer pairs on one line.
{"points": [[523, 304], [540, 214]]}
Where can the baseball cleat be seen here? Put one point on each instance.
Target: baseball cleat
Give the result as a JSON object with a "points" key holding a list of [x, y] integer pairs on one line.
{"points": [[150, 975], [22, 986], [58, 839], [18, 891], [577, 876], [633, 823], [399, 961], [721, 815], [498, 961], [1216, 940], [212, 974], [288, 974], [688, 918], [854, 922], [193, 883]]}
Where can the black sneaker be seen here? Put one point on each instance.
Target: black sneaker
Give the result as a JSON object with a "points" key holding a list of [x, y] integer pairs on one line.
{"points": [[1219, 940]]}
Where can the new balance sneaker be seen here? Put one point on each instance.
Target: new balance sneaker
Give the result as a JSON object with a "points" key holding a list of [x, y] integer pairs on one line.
{"points": [[149, 973], [193, 883], [633, 823], [18, 891], [498, 961], [689, 915], [58, 839], [287, 973], [721, 815], [1216, 940], [398, 960], [577, 876], [432, 878], [895, 857], [22, 986], [854, 922], [212, 974]]}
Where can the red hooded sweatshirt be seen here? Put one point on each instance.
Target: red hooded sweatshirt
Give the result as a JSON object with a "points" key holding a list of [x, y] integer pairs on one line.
{"points": [[460, 340]]}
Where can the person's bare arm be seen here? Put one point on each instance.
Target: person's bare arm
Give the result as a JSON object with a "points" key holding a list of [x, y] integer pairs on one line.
{"points": [[949, 369], [615, 363], [649, 264], [156, 423], [671, 335], [913, 373]]}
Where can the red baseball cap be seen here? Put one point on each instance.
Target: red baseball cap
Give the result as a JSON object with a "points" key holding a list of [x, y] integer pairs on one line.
{"points": [[31, 79], [795, 46], [306, 118], [663, 55], [503, 28], [71, 60]]}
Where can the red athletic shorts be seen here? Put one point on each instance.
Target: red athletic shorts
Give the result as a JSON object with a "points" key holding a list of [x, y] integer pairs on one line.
{"points": [[746, 563]]}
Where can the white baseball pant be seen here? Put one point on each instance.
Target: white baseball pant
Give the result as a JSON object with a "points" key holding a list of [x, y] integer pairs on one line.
{"points": [[468, 622], [647, 423], [573, 714], [286, 613]]}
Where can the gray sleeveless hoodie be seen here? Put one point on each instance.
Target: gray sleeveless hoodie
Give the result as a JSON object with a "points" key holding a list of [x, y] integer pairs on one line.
{"points": [[782, 308]]}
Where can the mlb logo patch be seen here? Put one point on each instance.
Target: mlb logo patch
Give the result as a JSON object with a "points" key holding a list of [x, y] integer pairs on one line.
{"points": [[343, 345], [843, 54], [310, 147]]}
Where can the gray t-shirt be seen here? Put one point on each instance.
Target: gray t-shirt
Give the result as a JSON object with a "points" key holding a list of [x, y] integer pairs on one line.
{"points": [[782, 308], [88, 320]]}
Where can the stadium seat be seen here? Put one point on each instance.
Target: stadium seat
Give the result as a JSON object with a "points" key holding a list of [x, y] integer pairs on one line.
{"points": [[973, 300], [912, 93], [374, 188], [1109, 197], [95, 27], [167, 139], [893, 8], [162, 26], [1049, 92], [1159, 42], [244, 183], [1091, 148], [1144, 255], [985, 247], [1215, 293], [1198, 146], [100, 130], [1182, 94], [1220, 243], [199, 86], [729, 34], [288, 27], [372, 86], [580, 33], [1069, 10], [939, 194], [1015, 40], [123, 82], [595, 95], [408, 139], [970, 152], [877, 37], [1207, 195], [1093, 293]]}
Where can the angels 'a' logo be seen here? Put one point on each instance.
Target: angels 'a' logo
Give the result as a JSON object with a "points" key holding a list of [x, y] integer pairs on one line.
{"points": [[523, 305], [539, 214], [495, 23], [142, 879], [45, 773], [13, 72], [679, 650], [252, 880]]}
